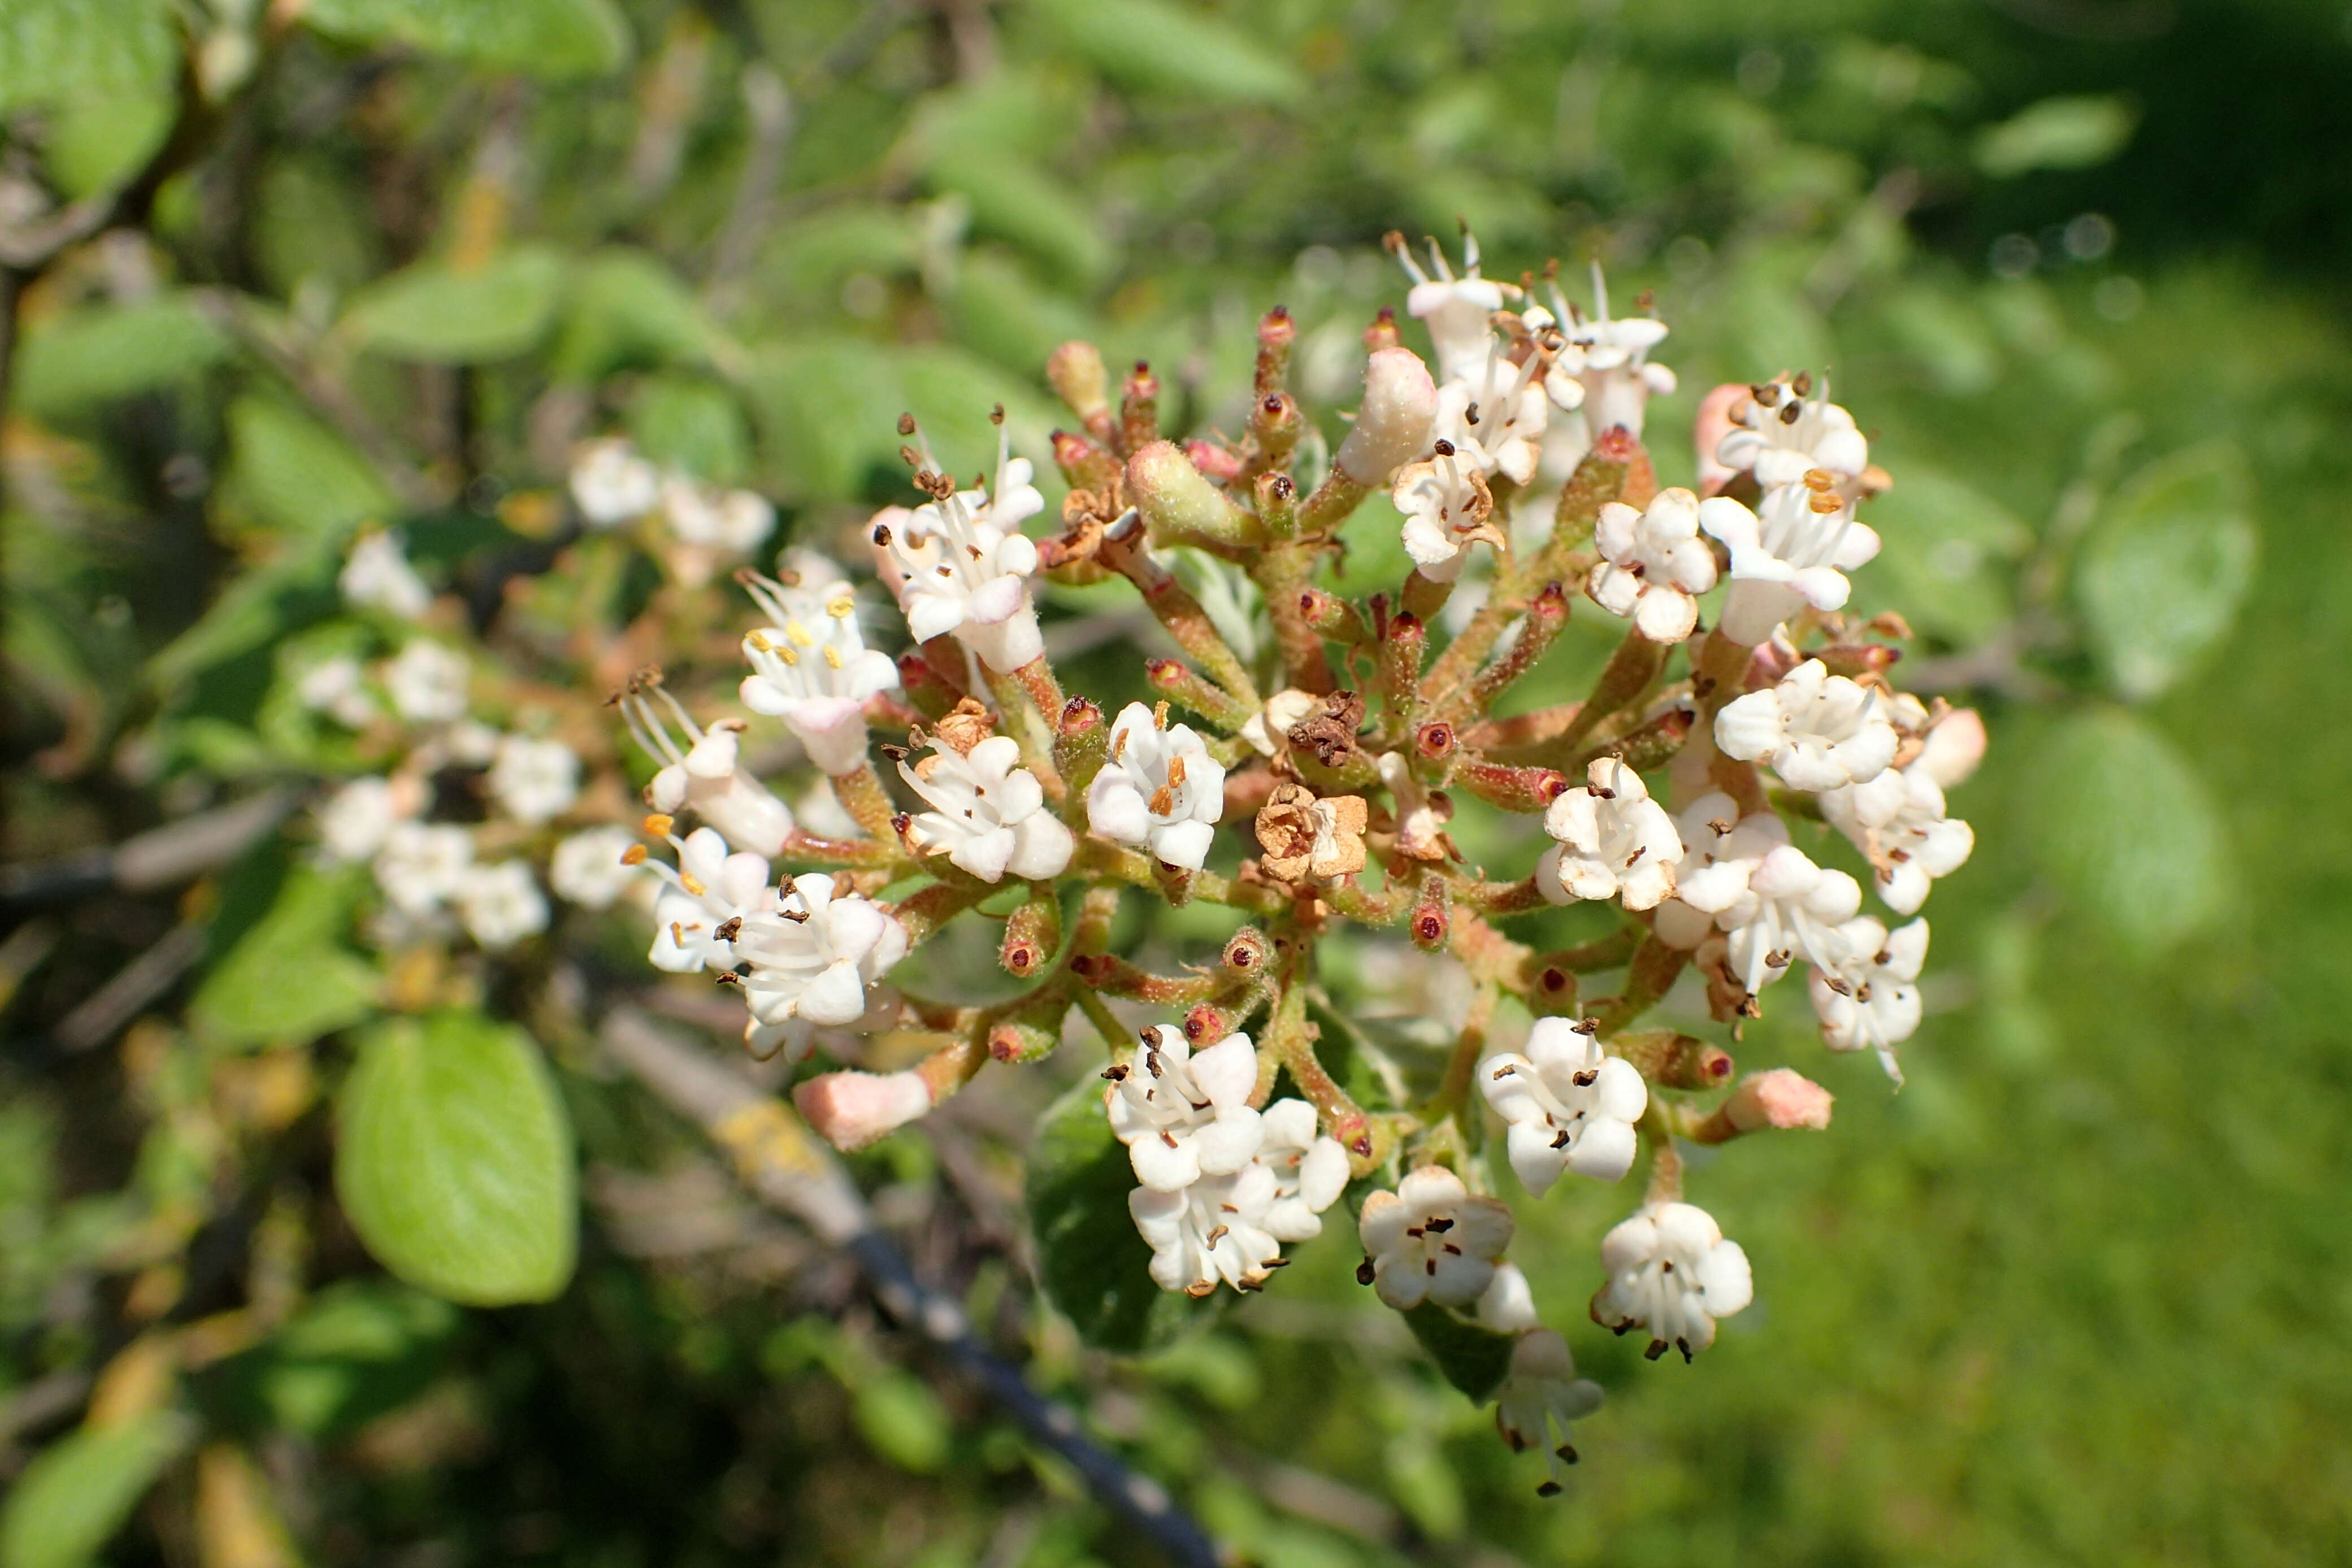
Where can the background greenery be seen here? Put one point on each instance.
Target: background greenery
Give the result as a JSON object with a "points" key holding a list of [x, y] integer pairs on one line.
{"points": [[2077, 1294]]}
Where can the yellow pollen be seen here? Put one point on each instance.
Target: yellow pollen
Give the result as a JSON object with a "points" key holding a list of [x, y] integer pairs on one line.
{"points": [[800, 634], [1824, 503], [633, 855], [789, 655], [657, 825], [842, 608], [1159, 714], [1820, 479], [832, 656], [692, 884], [1175, 773], [758, 640]]}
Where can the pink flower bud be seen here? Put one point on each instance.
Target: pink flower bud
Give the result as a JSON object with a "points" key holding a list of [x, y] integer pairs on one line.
{"points": [[850, 1110], [1394, 425], [1780, 1098], [1713, 423], [1954, 747]]}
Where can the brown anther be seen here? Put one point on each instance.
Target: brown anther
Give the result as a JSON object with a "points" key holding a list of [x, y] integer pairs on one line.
{"points": [[1584, 1079], [1445, 448], [728, 929], [1365, 1272], [1792, 411], [1586, 1026], [1553, 978], [1116, 1073]]}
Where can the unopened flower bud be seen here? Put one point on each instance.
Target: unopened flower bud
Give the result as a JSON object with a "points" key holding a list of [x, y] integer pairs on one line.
{"points": [[1139, 409], [1206, 1025], [1032, 934], [1431, 919], [1246, 953], [1084, 465], [1178, 501], [1075, 372], [1016, 1042], [1382, 333], [1512, 789], [1780, 1098], [1393, 426], [1219, 463], [851, 1109], [930, 695]]}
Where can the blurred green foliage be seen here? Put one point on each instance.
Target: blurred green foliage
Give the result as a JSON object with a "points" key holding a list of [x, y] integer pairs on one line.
{"points": [[2077, 1294]]}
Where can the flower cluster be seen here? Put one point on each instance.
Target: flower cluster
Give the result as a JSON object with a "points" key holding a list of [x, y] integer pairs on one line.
{"points": [[1291, 754]]}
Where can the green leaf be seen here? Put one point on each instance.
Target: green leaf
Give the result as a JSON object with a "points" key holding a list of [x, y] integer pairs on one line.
{"points": [[1018, 202], [629, 310], [64, 51], [288, 980], [261, 605], [830, 409], [1948, 562], [443, 314], [357, 1350], [1474, 1357], [897, 1414], [2163, 572], [1091, 1264], [102, 352], [97, 143], [454, 1160], [2079, 132], [2127, 827], [692, 425], [545, 37], [77, 1492], [1152, 45], [297, 477]]}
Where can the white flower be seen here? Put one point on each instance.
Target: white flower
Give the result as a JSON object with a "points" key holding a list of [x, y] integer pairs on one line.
{"points": [[730, 522], [814, 959], [336, 688], [534, 781], [1796, 552], [1184, 1115], [423, 865], [1652, 564], [1602, 374], [1448, 509], [1538, 1399], [1817, 730], [1215, 1230], [708, 898], [1496, 416], [811, 668], [988, 812], [706, 775], [587, 868], [1898, 820], [1430, 1240], [1160, 789], [612, 485], [427, 682], [1671, 1272], [1309, 1172], [1871, 1001], [1614, 842], [1721, 850], [1780, 435], [1569, 1107], [963, 566], [1457, 310], [358, 818], [501, 904], [1790, 909], [377, 576], [1508, 1304], [470, 743]]}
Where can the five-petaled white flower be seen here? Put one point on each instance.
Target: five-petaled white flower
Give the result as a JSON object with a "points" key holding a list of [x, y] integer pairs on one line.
{"points": [[1430, 1240], [1899, 819], [337, 687], [706, 901], [1790, 909], [1721, 850], [988, 813], [1569, 1107], [1310, 1171], [1496, 416], [963, 565], [1184, 1114], [1160, 789], [1614, 842], [427, 682], [1796, 551], [1819, 731], [377, 576], [727, 522], [1609, 357], [706, 775], [423, 865], [1871, 1001], [815, 956], [534, 781], [1652, 565], [1213, 1229], [357, 819], [587, 868], [612, 485], [1539, 1397], [1781, 434], [500, 904], [1457, 310], [811, 666], [1671, 1272], [1448, 509]]}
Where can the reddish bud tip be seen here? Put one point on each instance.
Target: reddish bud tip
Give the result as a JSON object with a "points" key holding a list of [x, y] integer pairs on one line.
{"points": [[1554, 979], [1204, 1025], [1435, 740]]}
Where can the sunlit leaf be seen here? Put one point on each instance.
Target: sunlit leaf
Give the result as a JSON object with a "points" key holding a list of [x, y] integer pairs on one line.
{"points": [[102, 352], [2163, 572], [2124, 825], [296, 476], [289, 979], [454, 1160], [2077, 133], [445, 314], [60, 51], [545, 37], [1170, 49], [78, 1491]]}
